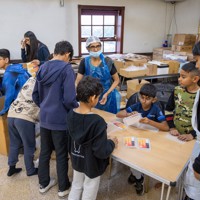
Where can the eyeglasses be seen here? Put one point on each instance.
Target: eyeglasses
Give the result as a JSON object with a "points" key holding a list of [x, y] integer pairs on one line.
{"points": [[95, 47]]}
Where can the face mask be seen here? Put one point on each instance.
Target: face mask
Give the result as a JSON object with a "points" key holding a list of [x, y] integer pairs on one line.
{"points": [[95, 54]]}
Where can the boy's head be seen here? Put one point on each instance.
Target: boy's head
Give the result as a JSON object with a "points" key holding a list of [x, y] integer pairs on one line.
{"points": [[64, 48], [147, 95], [189, 75], [196, 53], [89, 90], [4, 58]]}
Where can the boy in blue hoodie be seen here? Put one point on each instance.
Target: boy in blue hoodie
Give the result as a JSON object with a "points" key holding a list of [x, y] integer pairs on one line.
{"points": [[14, 78], [55, 94]]}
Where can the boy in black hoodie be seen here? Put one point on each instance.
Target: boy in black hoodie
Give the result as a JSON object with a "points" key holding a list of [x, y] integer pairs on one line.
{"points": [[89, 147]]}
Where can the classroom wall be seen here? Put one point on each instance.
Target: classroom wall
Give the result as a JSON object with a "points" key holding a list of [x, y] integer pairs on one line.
{"points": [[146, 22]]}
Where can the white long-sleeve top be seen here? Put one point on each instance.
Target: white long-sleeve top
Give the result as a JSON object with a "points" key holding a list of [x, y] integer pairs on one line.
{"points": [[23, 107]]}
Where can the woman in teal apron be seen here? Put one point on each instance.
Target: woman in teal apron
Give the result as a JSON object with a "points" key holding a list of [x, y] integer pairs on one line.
{"points": [[98, 66]]}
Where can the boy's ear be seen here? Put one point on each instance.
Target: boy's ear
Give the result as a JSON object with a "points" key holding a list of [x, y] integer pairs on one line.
{"points": [[6, 60], [196, 79], [154, 99], [92, 98]]}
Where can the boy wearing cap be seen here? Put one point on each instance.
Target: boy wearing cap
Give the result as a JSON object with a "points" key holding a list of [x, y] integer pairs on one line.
{"points": [[14, 78], [98, 66]]}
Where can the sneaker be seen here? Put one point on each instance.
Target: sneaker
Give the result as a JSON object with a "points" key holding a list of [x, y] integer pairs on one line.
{"points": [[139, 186], [131, 179], [13, 170], [63, 193], [52, 182]]}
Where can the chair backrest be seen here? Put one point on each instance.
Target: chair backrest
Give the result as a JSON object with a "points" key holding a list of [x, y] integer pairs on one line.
{"points": [[135, 98]]}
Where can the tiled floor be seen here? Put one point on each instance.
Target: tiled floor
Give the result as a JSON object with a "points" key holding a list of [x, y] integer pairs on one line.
{"points": [[21, 187]]}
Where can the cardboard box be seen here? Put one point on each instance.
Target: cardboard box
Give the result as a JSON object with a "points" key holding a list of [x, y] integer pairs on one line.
{"points": [[135, 62], [185, 48], [184, 39], [173, 66], [121, 64], [134, 86], [158, 52], [4, 137], [130, 74], [151, 69]]}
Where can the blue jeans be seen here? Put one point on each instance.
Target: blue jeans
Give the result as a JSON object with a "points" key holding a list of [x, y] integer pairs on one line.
{"points": [[51, 139], [21, 133]]}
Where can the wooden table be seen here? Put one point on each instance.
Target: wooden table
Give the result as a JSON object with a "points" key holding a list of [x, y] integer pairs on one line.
{"points": [[165, 162]]}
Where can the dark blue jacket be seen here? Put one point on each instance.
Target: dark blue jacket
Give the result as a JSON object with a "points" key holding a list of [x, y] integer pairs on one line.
{"points": [[55, 93], [13, 79], [42, 54]]}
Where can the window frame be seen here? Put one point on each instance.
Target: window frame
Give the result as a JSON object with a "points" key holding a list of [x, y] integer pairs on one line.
{"points": [[103, 10]]}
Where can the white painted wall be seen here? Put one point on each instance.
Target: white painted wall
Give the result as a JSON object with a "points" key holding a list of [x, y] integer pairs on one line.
{"points": [[146, 22]]}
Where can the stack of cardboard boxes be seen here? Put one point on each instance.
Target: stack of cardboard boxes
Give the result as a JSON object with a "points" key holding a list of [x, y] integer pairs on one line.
{"points": [[183, 42]]}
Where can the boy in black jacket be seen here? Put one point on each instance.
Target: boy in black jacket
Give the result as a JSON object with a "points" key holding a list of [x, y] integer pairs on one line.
{"points": [[89, 147]]}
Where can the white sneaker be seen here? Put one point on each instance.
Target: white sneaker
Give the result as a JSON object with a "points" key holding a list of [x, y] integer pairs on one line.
{"points": [[63, 193], [52, 182], [36, 163]]}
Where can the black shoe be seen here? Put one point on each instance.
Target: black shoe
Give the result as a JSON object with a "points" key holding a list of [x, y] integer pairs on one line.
{"points": [[13, 170], [131, 179], [139, 186], [34, 173]]}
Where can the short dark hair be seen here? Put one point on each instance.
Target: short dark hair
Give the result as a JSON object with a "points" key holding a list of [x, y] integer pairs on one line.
{"points": [[148, 89], [64, 47], [5, 53], [88, 87], [196, 49], [191, 68]]}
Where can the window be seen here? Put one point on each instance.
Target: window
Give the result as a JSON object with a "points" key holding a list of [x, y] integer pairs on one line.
{"points": [[104, 22]]}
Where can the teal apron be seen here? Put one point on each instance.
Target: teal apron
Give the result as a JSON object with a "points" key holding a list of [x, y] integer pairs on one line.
{"points": [[103, 74]]}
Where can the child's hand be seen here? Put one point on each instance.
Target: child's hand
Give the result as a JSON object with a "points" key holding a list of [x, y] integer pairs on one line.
{"points": [[23, 44], [144, 120], [174, 132], [115, 140], [35, 62], [185, 137]]}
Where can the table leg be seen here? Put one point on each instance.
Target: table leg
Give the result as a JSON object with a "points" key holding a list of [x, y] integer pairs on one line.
{"points": [[168, 192], [110, 167], [146, 184], [162, 191]]}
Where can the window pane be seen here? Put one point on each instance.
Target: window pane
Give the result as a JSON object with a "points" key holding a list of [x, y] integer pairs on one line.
{"points": [[108, 31], [97, 31], [109, 46], [109, 20], [86, 19], [85, 31], [97, 19], [83, 48]]}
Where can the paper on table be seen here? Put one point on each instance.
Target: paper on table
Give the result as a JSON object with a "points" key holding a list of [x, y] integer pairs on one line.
{"points": [[133, 119], [174, 138], [115, 126]]}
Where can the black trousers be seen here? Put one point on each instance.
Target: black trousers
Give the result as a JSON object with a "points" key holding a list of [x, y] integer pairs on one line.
{"points": [[49, 140]]}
